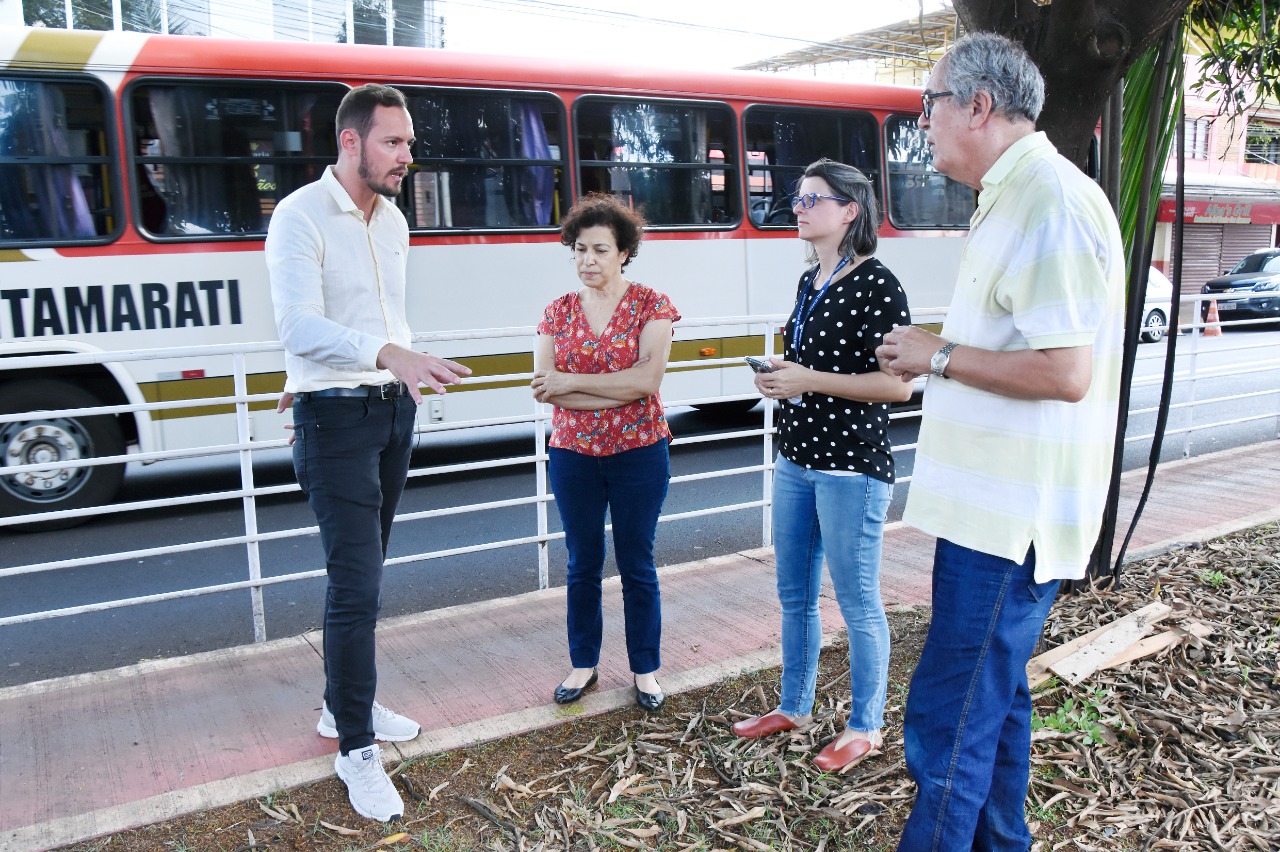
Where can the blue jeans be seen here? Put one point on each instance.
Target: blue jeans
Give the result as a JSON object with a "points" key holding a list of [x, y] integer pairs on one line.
{"points": [[632, 485], [351, 457], [968, 718], [841, 517]]}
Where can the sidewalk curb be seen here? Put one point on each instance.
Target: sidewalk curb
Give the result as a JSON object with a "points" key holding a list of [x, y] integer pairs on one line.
{"points": [[241, 788], [1200, 536]]}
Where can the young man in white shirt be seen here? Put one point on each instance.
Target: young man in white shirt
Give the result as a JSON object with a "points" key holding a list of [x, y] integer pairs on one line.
{"points": [[337, 251]]}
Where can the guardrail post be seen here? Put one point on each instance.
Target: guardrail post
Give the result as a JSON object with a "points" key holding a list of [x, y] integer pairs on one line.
{"points": [[243, 437], [1192, 362], [540, 476], [766, 475]]}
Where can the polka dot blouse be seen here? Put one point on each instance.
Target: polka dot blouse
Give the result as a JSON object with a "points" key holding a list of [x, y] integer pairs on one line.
{"points": [[829, 433]]}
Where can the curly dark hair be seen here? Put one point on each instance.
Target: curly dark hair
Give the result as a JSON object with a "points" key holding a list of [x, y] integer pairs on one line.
{"points": [[600, 208]]}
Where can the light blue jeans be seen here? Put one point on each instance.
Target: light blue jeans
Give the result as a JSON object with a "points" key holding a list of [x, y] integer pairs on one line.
{"points": [[841, 517]]}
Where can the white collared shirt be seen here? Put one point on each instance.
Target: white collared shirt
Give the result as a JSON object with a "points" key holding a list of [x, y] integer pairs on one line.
{"points": [[338, 285]]}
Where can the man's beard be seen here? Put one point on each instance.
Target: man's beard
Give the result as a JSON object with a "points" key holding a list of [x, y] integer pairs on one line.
{"points": [[381, 188]]}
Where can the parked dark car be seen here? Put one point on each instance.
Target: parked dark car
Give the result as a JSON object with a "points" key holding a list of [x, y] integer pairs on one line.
{"points": [[1250, 290]]}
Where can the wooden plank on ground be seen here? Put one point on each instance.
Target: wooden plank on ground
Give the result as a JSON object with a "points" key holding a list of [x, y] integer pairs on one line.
{"points": [[1038, 668], [1155, 644], [1118, 636]]}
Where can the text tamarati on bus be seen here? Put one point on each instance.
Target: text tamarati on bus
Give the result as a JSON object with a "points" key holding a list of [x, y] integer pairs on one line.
{"points": [[138, 174]]}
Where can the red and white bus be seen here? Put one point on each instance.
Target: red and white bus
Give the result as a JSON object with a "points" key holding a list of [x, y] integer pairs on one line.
{"points": [[138, 174]]}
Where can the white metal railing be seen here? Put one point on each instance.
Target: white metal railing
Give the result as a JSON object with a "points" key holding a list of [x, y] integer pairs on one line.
{"points": [[1192, 374], [249, 492]]}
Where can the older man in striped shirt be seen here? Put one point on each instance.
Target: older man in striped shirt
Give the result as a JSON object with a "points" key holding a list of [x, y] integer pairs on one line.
{"points": [[1015, 443]]}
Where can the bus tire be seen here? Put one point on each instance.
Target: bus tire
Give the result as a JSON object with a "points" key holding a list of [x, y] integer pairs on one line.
{"points": [[55, 439]]}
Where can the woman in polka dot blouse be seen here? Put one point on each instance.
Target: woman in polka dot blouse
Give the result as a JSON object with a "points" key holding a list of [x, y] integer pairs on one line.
{"points": [[834, 472]]}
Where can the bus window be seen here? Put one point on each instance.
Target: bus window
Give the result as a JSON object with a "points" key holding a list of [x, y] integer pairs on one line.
{"points": [[782, 141], [920, 197], [54, 162], [678, 160], [213, 158], [484, 160]]}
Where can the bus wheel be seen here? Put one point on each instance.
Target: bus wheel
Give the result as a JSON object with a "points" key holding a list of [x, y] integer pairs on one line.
{"points": [[50, 441]]}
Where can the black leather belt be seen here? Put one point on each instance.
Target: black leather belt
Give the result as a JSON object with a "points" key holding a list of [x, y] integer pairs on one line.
{"points": [[390, 390]]}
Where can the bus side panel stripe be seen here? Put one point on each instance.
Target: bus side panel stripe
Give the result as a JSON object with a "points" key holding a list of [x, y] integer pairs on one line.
{"points": [[116, 53], [68, 50]]}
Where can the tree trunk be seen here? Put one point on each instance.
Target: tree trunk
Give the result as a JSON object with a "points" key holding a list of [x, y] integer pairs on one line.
{"points": [[1083, 47]]}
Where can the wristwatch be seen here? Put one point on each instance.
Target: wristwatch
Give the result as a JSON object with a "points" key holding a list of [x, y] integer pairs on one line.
{"points": [[938, 363]]}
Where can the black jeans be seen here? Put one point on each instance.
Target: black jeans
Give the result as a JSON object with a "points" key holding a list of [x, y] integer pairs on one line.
{"points": [[351, 456]]}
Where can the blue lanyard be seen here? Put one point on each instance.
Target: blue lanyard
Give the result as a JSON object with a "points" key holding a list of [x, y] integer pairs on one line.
{"points": [[803, 313]]}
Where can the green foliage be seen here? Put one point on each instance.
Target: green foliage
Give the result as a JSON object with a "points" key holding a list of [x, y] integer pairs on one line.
{"points": [[1141, 88], [1240, 40], [1051, 815], [442, 839], [1213, 578], [1083, 716]]}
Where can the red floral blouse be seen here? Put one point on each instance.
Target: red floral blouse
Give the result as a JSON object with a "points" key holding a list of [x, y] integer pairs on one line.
{"points": [[606, 431]]}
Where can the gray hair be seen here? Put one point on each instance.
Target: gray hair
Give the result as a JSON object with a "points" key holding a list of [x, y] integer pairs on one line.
{"points": [[847, 182], [998, 66]]}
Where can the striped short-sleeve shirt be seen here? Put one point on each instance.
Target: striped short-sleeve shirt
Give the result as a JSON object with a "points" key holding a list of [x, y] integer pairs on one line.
{"points": [[1043, 268]]}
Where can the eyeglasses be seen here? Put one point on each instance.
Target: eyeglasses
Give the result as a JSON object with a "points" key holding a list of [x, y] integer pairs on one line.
{"points": [[927, 99], [809, 199]]}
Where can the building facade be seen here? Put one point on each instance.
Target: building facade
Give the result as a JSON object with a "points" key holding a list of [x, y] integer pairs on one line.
{"points": [[1232, 190], [406, 23]]}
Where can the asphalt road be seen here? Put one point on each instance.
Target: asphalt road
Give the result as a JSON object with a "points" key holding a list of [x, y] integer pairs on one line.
{"points": [[95, 641]]}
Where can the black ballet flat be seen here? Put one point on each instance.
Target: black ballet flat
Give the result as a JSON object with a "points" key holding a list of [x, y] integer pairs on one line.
{"points": [[651, 701], [568, 695]]}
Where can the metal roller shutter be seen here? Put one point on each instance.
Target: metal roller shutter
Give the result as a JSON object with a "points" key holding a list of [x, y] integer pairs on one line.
{"points": [[1201, 256], [1241, 240]]}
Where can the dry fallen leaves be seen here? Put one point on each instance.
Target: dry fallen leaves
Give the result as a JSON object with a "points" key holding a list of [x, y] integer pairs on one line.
{"points": [[1184, 751]]}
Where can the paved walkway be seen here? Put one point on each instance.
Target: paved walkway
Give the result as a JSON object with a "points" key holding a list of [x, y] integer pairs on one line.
{"points": [[93, 754]]}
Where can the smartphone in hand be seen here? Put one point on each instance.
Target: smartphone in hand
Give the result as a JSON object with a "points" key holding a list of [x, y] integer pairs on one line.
{"points": [[760, 365]]}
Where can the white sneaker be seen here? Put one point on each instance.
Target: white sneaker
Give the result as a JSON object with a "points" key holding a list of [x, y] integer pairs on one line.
{"points": [[368, 786], [388, 725]]}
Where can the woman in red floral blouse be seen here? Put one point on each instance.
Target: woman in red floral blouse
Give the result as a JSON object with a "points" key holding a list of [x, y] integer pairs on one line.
{"points": [[602, 351]]}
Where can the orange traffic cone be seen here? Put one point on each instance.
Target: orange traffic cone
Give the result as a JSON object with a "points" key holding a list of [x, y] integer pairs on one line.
{"points": [[1211, 324]]}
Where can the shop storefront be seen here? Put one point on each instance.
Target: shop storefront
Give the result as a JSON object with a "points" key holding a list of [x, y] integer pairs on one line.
{"points": [[1225, 219]]}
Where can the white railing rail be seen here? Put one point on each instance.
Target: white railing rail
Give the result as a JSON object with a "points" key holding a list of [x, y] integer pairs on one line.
{"points": [[248, 492], [1192, 376]]}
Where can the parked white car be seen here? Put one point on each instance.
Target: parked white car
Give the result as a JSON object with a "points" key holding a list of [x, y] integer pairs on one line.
{"points": [[1155, 322]]}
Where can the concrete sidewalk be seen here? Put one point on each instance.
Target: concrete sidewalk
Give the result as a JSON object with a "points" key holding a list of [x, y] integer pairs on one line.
{"points": [[94, 754]]}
